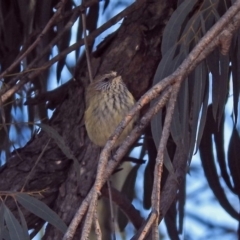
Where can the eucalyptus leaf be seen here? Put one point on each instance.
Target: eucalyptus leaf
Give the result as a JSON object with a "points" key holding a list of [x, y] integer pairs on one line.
{"points": [[174, 25], [213, 65], [62, 145], [180, 115], [235, 63], [24, 224], [233, 160], [41, 210], [128, 190], [5, 234], [1, 220], [165, 67], [148, 185], [197, 100], [14, 227], [221, 159], [208, 163], [202, 119], [224, 85]]}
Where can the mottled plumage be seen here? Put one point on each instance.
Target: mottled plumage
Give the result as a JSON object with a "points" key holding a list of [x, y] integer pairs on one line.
{"points": [[107, 102]]}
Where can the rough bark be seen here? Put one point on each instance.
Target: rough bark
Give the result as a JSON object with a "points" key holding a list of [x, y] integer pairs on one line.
{"points": [[134, 52]]}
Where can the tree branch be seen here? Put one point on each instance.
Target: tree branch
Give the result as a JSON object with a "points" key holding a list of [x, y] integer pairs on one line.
{"points": [[50, 23], [112, 164], [8, 92], [125, 205], [196, 55]]}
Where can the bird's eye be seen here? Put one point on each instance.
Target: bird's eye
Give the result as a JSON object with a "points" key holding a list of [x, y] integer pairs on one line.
{"points": [[105, 79]]}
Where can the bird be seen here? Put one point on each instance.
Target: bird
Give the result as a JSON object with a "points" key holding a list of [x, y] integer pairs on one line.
{"points": [[107, 102]]}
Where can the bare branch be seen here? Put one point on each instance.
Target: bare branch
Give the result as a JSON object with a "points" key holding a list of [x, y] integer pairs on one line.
{"points": [[8, 91], [86, 45], [125, 205], [150, 222], [111, 209], [34, 44], [160, 156], [35, 164], [97, 227], [54, 19]]}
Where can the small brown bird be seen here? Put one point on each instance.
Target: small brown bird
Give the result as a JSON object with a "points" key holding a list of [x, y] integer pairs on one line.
{"points": [[107, 102]]}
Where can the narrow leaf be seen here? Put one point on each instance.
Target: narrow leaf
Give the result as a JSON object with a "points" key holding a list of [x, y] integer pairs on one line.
{"points": [[203, 112], [209, 167], [168, 164], [92, 18], [41, 210], [213, 65], [156, 127], [5, 235], [180, 117], [191, 32], [182, 201], [148, 184], [183, 105], [1, 220], [165, 66], [106, 3], [64, 42], [233, 160], [198, 96], [24, 224], [62, 145], [174, 25], [14, 227], [219, 142], [128, 189], [58, 139], [235, 60], [149, 170], [224, 85], [171, 222], [178, 123], [176, 128]]}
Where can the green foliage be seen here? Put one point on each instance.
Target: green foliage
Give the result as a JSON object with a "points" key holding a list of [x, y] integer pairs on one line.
{"points": [[13, 229]]}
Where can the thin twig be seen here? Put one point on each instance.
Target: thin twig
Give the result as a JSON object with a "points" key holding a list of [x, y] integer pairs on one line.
{"points": [[77, 218], [47, 27], [86, 45], [160, 156], [34, 44], [146, 228], [125, 205], [37, 161], [92, 205], [97, 226], [170, 189], [3, 116], [10, 90], [30, 67], [88, 220], [111, 209]]}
